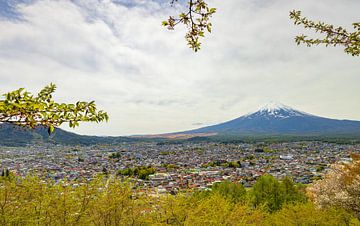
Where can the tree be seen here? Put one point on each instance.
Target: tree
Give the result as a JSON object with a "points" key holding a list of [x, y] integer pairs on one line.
{"points": [[292, 193], [272, 194], [234, 192], [334, 36], [213, 210], [339, 188], [267, 191], [21, 108], [196, 19], [308, 214]]}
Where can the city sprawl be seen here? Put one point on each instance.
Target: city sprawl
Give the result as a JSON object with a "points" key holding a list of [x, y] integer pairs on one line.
{"points": [[178, 166]]}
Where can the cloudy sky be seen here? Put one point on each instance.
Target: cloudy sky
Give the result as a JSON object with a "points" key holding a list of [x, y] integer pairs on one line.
{"points": [[146, 78]]}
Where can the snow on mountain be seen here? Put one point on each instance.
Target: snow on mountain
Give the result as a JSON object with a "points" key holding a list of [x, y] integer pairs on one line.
{"points": [[279, 119], [273, 106], [276, 110]]}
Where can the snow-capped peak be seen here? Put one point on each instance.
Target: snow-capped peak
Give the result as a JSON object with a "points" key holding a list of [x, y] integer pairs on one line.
{"points": [[275, 110], [272, 107]]}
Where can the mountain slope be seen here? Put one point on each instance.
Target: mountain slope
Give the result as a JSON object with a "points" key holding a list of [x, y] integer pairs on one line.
{"points": [[277, 119], [273, 119], [11, 135]]}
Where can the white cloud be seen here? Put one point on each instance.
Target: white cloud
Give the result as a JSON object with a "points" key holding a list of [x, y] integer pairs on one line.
{"points": [[150, 82]]}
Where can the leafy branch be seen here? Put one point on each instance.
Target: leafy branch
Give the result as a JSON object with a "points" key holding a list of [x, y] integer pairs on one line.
{"points": [[196, 20], [24, 109], [334, 36]]}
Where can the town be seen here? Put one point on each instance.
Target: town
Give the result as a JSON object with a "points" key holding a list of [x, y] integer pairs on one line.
{"points": [[170, 167]]}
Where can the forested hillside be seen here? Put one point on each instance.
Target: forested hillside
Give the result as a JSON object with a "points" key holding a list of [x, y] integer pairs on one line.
{"points": [[12, 135]]}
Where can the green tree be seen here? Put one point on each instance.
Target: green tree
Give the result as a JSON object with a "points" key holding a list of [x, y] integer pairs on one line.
{"points": [[267, 191], [308, 214], [126, 172], [142, 172], [213, 210], [334, 36], [108, 201], [21, 108], [234, 192], [291, 191], [272, 194]]}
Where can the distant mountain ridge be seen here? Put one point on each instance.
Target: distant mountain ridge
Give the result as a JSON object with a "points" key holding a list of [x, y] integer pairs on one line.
{"points": [[270, 120], [279, 119], [11, 135]]}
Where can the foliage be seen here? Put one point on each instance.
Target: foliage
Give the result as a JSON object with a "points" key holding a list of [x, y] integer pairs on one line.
{"points": [[12, 135], [214, 210], [308, 214], [31, 201], [234, 164], [24, 109], [339, 188], [235, 192], [142, 172], [169, 166], [115, 155], [272, 194], [292, 192], [267, 191], [108, 201], [172, 210], [334, 36], [196, 19]]}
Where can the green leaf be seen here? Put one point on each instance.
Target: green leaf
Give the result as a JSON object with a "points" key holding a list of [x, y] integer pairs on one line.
{"points": [[51, 129]]}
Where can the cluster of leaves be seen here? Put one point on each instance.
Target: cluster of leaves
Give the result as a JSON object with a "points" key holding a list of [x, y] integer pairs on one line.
{"points": [[340, 187], [24, 109], [334, 36], [115, 155], [166, 153], [268, 193], [234, 192], [250, 157], [234, 164], [196, 19], [32, 201], [272, 194], [141, 172], [169, 166], [107, 201]]}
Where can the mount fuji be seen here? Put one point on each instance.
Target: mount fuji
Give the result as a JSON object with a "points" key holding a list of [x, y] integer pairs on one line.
{"points": [[279, 119], [271, 120]]}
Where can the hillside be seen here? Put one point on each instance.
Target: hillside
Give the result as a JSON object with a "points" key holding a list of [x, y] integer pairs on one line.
{"points": [[18, 136], [274, 121]]}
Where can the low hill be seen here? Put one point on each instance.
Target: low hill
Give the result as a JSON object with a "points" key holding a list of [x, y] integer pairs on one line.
{"points": [[11, 135]]}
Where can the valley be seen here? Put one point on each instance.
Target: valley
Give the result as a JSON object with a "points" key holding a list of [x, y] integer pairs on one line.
{"points": [[196, 165]]}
